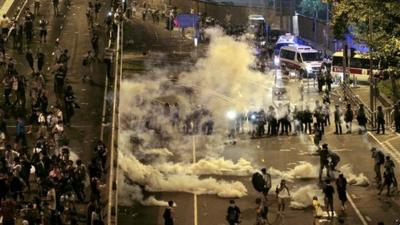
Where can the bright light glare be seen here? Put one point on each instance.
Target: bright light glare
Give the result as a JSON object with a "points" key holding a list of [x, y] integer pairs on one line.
{"points": [[231, 115], [276, 60], [253, 117]]}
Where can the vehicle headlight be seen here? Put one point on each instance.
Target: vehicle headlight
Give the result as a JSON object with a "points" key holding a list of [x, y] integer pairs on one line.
{"points": [[309, 69], [231, 115]]}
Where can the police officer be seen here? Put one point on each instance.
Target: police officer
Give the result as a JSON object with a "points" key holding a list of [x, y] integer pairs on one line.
{"points": [[307, 120]]}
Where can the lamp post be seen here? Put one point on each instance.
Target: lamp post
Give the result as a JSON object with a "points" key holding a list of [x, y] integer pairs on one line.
{"points": [[371, 76]]}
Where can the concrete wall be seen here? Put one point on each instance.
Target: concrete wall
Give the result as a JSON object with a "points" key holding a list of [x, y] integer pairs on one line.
{"points": [[322, 34]]}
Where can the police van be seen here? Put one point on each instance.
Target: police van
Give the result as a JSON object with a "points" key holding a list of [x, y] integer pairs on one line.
{"points": [[303, 60]]}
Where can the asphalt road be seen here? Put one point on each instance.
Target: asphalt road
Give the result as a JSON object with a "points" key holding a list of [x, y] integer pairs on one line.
{"points": [[281, 152]]}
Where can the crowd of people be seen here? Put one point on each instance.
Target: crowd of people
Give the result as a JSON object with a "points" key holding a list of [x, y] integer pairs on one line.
{"points": [[41, 180]]}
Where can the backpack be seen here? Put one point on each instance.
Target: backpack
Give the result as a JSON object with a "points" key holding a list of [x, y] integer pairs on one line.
{"points": [[335, 158], [233, 214], [258, 182]]}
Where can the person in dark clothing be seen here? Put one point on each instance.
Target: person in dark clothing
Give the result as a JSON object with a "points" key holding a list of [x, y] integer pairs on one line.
{"points": [[381, 121], [317, 135], [396, 115], [95, 45], [341, 187], [169, 214], [40, 60], [379, 160], [328, 192], [387, 182], [348, 118], [20, 132], [233, 213], [323, 160], [338, 120], [307, 120], [29, 58], [69, 100], [321, 81], [361, 119]]}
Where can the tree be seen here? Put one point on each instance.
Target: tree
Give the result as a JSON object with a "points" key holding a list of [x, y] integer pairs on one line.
{"points": [[311, 7], [382, 17]]}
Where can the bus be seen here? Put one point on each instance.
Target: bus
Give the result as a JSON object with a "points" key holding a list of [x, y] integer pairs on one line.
{"points": [[359, 69]]}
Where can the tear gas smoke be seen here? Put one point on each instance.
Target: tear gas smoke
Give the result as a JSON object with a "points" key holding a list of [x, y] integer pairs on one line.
{"points": [[304, 170], [302, 197], [353, 179], [155, 110]]}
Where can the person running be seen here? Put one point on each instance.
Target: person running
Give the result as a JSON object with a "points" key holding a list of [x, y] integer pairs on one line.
{"points": [[389, 167], [233, 213], [283, 194], [169, 214], [341, 187], [329, 191], [387, 182], [379, 159]]}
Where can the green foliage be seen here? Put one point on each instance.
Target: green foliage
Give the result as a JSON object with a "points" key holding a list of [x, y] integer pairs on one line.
{"points": [[311, 7], [384, 40]]}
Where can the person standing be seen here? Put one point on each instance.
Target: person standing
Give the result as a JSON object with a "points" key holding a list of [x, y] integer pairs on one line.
{"points": [[87, 62], [396, 115], [317, 135], [379, 159], [43, 30], [389, 167], [329, 191], [283, 195], [169, 214], [29, 59], [69, 100], [338, 120], [233, 213], [40, 60], [381, 120], [341, 187], [387, 182], [362, 119], [8, 211], [5, 24], [348, 118], [267, 179], [323, 161], [95, 44], [20, 132]]}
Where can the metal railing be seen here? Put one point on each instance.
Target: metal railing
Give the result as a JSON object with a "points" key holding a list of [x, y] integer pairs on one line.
{"points": [[111, 215], [371, 115]]}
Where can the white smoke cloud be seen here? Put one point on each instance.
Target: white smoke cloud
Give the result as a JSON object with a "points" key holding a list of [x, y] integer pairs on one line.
{"points": [[302, 197], [354, 179], [304, 170]]}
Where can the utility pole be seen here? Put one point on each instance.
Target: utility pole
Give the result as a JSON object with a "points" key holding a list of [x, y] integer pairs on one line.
{"points": [[280, 14]]}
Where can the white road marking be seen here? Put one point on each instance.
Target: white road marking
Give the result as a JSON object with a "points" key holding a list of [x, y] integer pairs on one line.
{"points": [[360, 216], [285, 150], [386, 147], [368, 218]]}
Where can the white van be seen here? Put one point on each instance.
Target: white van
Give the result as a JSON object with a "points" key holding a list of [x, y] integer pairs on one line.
{"points": [[303, 60]]}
